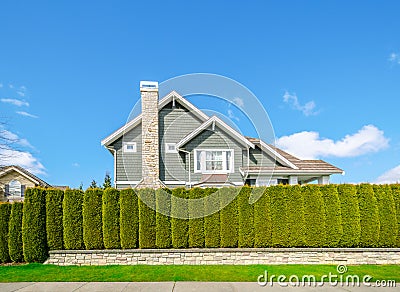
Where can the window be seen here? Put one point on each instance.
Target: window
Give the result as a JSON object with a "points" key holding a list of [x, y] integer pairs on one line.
{"points": [[213, 161], [129, 147], [14, 188], [170, 148]]}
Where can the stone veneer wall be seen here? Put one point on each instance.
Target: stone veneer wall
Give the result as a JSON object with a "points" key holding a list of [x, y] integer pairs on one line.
{"points": [[226, 256]]}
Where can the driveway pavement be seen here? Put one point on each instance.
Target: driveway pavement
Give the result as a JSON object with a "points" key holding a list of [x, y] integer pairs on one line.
{"points": [[167, 286]]}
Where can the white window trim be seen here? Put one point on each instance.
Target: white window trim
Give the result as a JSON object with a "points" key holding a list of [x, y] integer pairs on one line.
{"points": [[167, 150], [126, 144], [232, 164]]}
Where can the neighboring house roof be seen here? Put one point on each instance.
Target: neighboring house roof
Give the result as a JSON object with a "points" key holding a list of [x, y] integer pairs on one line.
{"points": [[171, 97], [213, 121], [6, 169]]}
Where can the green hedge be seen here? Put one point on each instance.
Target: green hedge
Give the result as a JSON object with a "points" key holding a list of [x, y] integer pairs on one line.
{"points": [[229, 221], [333, 222], [92, 219], [54, 218], [314, 216], [212, 227], [295, 216], [15, 247], [396, 198], [5, 210], [129, 218], [179, 227], [111, 218], [279, 233], [387, 216], [147, 218], [245, 218], [350, 215], [163, 222], [196, 225], [34, 237], [369, 216], [73, 219], [262, 218]]}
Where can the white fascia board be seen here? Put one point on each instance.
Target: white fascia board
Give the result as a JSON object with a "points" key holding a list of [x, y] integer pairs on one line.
{"points": [[21, 173], [293, 172], [220, 123], [163, 102], [278, 157]]}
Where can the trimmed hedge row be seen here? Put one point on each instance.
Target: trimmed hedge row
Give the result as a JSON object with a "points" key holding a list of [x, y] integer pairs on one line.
{"points": [[283, 216]]}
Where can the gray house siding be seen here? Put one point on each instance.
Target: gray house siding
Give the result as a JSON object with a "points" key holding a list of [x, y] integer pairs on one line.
{"points": [[129, 165], [259, 158], [174, 124], [216, 139]]}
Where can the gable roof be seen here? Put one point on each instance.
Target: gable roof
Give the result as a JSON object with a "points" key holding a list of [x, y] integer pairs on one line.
{"points": [[214, 120], [6, 169], [172, 96]]}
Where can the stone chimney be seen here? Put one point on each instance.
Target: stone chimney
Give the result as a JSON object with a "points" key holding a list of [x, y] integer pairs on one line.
{"points": [[150, 147]]}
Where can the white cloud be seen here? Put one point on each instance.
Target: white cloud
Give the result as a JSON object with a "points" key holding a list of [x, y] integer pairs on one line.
{"points": [[309, 145], [16, 102], [25, 114], [394, 58], [307, 109], [390, 176], [20, 93], [23, 159], [238, 101], [231, 115], [13, 138]]}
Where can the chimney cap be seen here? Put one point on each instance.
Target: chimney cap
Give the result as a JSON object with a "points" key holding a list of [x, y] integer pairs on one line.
{"points": [[148, 86]]}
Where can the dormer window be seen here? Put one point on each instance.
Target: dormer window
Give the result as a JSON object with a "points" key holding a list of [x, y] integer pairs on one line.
{"points": [[129, 147]]}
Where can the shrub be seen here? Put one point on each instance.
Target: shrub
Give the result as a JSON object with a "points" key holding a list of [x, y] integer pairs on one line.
{"points": [[396, 198], [246, 218], [54, 218], [196, 219], [5, 210], [387, 216], [278, 216], [212, 236], [34, 226], [92, 219], [179, 221], [129, 218], [350, 215], [73, 219], [163, 223], [334, 228], [229, 222], [262, 218], [147, 218], [15, 233], [369, 216], [314, 216], [111, 218], [295, 216]]}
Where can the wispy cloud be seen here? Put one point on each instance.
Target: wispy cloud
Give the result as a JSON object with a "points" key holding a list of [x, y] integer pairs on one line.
{"points": [[394, 58], [309, 145], [75, 164], [390, 176], [13, 138], [231, 115], [307, 109], [1, 85], [16, 102], [238, 101], [22, 158], [25, 114]]}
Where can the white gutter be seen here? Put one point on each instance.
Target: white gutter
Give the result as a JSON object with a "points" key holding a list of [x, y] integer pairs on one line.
{"points": [[190, 178]]}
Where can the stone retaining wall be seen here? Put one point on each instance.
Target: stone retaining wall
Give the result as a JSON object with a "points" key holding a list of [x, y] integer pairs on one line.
{"points": [[226, 256]]}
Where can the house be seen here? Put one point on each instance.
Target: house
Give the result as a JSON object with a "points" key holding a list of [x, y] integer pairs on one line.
{"points": [[172, 143], [14, 180]]}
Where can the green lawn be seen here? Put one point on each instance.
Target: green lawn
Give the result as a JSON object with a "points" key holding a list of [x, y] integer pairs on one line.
{"points": [[142, 273]]}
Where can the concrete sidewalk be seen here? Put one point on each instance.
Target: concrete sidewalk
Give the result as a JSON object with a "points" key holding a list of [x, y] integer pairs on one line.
{"points": [[167, 286]]}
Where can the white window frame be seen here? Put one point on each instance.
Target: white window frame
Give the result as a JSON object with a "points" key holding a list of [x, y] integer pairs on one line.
{"points": [[167, 150], [125, 147], [14, 188], [223, 171]]}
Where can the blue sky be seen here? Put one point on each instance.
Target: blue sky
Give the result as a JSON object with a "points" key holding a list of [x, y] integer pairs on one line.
{"points": [[327, 72]]}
